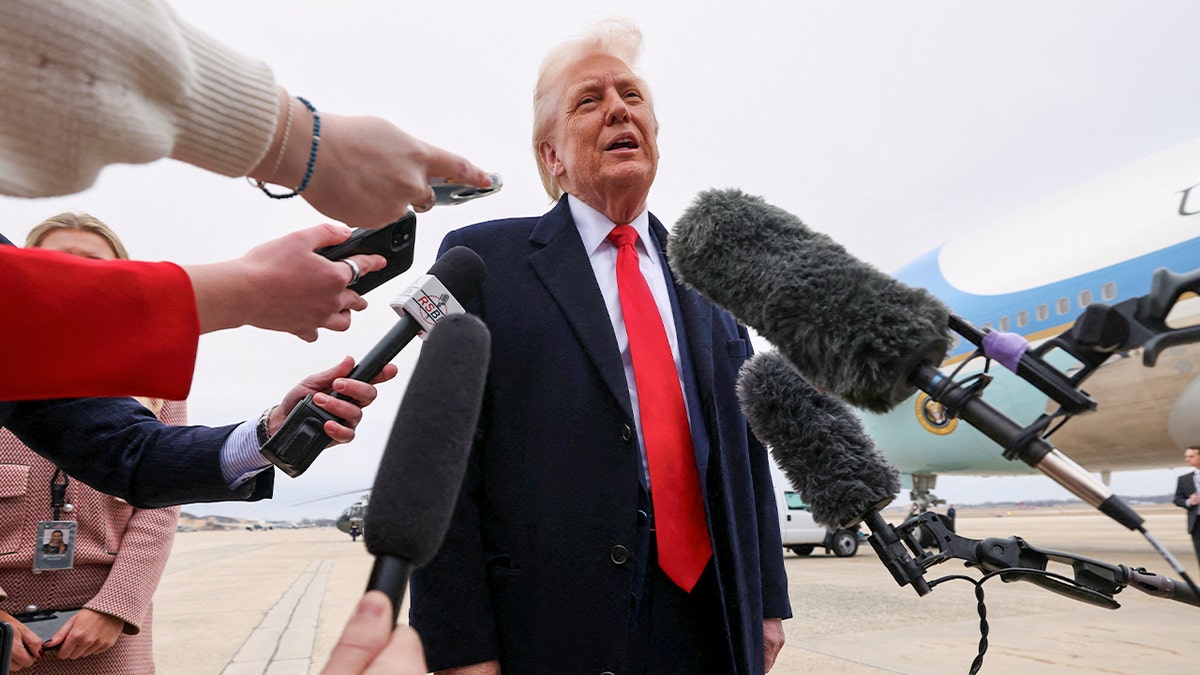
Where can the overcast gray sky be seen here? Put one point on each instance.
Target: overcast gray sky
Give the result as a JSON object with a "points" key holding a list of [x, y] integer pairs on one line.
{"points": [[890, 126]]}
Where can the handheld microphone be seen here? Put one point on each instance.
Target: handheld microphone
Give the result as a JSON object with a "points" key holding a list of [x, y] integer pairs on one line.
{"points": [[453, 279], [425, 459], [818, 442], [850, 329]]}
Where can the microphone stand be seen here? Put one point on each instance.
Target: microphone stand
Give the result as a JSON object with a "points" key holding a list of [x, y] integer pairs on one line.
{"points": [[1013, 559], [1099, 332], [1025, 443], [1139, 322], [893, 549]]}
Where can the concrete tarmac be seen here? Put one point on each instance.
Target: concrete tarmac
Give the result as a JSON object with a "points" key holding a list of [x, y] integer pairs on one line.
{"points": [[274, 603]]}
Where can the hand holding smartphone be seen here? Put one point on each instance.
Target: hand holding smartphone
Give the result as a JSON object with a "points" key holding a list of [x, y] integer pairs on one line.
{"points": [[394, 241]]}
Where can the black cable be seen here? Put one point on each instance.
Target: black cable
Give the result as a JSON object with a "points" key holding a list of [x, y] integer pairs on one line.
{"points": [[977, 663], [981, 608]]}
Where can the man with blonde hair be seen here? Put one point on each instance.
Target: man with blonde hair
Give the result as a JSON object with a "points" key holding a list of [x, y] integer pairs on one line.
{"points": [[617, 515]]}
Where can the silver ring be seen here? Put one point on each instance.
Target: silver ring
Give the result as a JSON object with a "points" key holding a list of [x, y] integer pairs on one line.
{"points": [[355, 272]]}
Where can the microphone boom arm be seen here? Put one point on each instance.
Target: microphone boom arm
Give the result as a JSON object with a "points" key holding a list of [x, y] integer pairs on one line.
{"points": [[1095, 335], [1021, 443], [1035, 370], [1012, 559]]}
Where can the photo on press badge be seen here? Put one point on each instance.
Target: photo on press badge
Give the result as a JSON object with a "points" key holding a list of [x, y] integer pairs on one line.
{"points": [[55, 548]]}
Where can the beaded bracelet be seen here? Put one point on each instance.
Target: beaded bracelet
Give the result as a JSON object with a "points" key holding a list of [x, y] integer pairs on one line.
{"points": [[312, 153]]}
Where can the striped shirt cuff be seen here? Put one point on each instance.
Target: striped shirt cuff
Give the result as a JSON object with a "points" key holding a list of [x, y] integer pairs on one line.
{"points": [[240, 457]]}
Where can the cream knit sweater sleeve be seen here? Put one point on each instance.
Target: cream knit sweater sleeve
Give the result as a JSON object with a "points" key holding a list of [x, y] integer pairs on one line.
{"points": [[91, 83]]}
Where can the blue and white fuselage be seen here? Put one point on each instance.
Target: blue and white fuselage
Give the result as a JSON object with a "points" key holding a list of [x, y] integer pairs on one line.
{"points": [[1032, 274]]}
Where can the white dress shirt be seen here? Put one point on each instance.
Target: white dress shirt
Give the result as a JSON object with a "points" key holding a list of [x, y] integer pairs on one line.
{"points": [[594, 228]]}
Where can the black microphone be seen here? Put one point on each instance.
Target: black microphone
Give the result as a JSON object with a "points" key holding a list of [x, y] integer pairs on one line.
{"points": [[817, 441], [423, 463], [850, 329], [453, 279]]}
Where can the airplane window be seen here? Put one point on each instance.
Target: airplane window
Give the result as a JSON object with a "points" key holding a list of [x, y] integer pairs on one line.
{"points": [[1109, 290], [1043, 312], [1003, 323], [1022, 318], [1085, 298], [1063, 305]]}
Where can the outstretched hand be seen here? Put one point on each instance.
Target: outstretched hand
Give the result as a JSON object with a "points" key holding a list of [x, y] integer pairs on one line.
{"points": [[282, 285], [367, 170], [372, 171], [358, 396]]}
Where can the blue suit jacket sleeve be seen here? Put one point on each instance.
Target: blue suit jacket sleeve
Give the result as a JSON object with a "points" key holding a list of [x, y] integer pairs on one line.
{"points": [[117, 446]]}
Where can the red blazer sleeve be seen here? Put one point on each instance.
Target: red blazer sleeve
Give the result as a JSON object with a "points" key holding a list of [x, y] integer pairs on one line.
{"points": [[76, 327]]}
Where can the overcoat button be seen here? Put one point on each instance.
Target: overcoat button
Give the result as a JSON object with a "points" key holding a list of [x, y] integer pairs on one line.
{"points": [[626, 433], [619, 554]]}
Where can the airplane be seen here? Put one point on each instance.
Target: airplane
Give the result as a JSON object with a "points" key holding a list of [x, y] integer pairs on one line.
{"points": [[1032, 273]]}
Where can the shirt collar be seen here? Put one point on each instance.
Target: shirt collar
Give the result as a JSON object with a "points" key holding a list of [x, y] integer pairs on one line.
{"points": [[594, 227]]}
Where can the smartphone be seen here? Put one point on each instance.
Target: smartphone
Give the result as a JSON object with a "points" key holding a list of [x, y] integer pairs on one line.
{"points": [[46, 623], [6, 644], [394, 241], [449, 194]]}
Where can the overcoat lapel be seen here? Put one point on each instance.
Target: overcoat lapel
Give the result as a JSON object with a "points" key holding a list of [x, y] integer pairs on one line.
{"points": [[563, 268]]}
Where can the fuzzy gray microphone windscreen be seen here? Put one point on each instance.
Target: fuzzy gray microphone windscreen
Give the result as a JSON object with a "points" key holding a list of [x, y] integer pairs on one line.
{"points": [[817, 441], [421, 472], [849, 328]]}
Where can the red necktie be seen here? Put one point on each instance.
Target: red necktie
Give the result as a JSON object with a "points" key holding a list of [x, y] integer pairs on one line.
{"points": [[683, 546]]}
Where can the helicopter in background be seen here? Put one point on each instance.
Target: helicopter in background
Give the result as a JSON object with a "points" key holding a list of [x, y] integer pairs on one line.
{"points": [[352, 516]]}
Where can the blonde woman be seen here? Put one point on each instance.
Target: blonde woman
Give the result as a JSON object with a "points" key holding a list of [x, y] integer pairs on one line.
{"points": [[119, 552]]}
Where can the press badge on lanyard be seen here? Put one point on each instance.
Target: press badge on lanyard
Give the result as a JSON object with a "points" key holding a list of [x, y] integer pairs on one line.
{"points": [[54, 548], [55, 545]]}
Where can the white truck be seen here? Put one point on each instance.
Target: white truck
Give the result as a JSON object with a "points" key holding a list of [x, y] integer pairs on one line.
{"points": [[801, 535]]}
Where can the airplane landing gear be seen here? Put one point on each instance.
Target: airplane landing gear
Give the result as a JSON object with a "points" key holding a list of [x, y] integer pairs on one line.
{"points": [[923, 500]]}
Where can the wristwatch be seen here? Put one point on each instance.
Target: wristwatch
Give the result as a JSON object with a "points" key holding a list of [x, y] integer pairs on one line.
{"points": [[261, 430]]}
